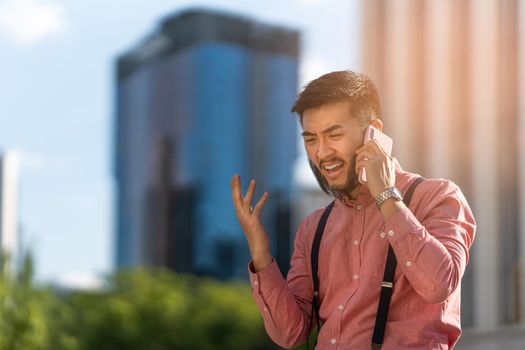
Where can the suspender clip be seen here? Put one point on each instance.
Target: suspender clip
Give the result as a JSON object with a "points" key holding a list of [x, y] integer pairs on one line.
{"points": [[387, 284]]}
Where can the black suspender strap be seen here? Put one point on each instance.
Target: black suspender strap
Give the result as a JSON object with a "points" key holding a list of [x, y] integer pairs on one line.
{"points": [[408, 196], [384, 300], [314, 261], [388, 281]]}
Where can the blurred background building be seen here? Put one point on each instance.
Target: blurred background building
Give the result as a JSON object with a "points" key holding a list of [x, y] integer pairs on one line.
{"points": [[205, 96], [451, 76], [9, 204]]}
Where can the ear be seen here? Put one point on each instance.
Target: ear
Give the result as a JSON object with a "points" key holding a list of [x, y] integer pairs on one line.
{"points": [[378, 124]]}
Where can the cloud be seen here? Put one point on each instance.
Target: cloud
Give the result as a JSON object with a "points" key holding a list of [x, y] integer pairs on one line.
{"points": [[311, 68], [80, 281], [29, 21], [310, 2], [40, 162]]}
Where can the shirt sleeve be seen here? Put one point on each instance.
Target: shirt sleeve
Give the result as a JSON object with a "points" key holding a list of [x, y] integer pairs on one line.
{"points": [[285, 305], [434, 250]]}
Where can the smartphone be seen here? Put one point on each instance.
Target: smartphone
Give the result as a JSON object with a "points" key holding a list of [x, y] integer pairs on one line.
{"points": [[384, 141]]}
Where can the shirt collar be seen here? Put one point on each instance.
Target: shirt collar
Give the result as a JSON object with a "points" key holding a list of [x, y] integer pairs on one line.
{"points": [[364, 198]]}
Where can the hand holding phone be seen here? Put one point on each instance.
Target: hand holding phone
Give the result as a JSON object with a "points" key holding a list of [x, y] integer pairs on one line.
{"points": [[384, 141]]}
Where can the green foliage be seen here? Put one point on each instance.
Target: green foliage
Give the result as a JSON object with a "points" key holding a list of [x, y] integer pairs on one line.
{"points": [[22, 308], [155, 309], [139, 309]]}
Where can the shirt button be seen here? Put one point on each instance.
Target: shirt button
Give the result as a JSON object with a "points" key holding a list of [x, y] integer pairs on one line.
{"points": [[382, 234], [390, 233], [265, 309], [356, 242], [359, 207], [333, 341], [408, 263], [355, 277], [255, 283], [341, 307]]}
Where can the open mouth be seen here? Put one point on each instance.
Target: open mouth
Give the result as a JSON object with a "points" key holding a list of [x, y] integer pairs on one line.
{"points": [[332, 168]]}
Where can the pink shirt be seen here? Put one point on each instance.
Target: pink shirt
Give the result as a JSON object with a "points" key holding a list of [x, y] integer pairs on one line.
{"points": [[431, 249]]}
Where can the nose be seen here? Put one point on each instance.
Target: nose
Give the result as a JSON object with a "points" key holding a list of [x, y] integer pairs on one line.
{"points": [[324, 150]]}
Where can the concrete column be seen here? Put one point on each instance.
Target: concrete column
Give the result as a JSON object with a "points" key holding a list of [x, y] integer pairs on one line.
{"points": [[438, 70], [372, 41], [521, 150], [9, 168], [483, 107], [398, 83]]}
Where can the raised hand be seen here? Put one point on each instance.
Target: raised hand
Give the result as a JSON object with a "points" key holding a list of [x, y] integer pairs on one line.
{"points": [[249, 218], [380, 167]]}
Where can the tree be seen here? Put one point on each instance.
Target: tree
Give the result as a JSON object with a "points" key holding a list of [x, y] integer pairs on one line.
{"points": [[154, 309], [138, 309]]}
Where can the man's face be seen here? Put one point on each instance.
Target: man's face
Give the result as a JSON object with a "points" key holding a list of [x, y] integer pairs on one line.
{"points": [[331, 136]]}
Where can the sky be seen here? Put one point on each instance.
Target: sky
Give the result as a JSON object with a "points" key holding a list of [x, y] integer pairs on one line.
{"points": [[57, 64]]}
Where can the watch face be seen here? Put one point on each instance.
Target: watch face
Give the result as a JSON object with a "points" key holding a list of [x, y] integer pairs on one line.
{"points": [[396, 193]]}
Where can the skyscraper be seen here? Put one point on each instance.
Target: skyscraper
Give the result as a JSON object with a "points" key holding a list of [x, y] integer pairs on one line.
{"points": [[9, 204], [205, 96]]}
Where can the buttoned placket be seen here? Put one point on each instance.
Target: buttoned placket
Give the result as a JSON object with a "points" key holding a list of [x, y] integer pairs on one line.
{"points": [[358, 226], [353, 244], [357, 234]]}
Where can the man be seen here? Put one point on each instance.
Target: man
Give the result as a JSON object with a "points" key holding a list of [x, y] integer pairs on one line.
{"points": [[430, 240]]}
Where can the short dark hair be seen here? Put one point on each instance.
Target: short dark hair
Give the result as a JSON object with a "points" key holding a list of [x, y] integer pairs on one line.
{"points": [[340, 86]]}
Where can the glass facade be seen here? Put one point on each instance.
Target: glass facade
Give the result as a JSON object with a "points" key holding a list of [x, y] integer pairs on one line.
{"points": [[205, 97]]}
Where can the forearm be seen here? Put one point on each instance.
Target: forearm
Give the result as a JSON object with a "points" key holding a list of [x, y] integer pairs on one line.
{"points": [[391, 207], [285, 316], [261, 260], [433, 266]]}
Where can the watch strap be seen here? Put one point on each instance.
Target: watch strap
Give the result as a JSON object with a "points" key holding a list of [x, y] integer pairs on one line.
{"points": [[391, 192]]}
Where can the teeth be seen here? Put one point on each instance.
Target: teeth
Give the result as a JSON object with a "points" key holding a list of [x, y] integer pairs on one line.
{"points": [[332, 166]]}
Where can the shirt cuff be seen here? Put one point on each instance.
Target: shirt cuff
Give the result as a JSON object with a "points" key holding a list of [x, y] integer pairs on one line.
{"points": [[265, 280]]}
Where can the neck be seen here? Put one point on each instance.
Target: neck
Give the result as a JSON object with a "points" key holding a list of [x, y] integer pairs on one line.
{"points": [[354, 193]]}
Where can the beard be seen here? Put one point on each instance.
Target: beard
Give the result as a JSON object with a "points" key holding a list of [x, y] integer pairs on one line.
{"points": [[351, 179]]}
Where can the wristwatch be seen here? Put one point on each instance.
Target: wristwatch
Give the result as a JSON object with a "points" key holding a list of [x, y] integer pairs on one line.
{"points": [[390, 192]]}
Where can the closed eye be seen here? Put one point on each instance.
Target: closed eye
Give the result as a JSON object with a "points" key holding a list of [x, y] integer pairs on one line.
{"points": [[310, 141], [335, 136]]}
